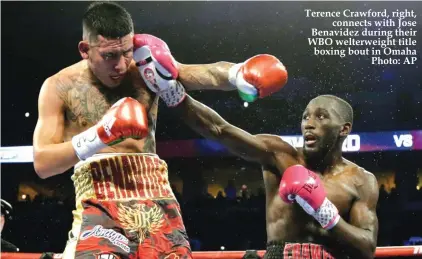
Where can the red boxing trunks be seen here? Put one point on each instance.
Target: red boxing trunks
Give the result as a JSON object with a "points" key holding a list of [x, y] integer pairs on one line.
{"points": [[296, 251], [125, 208]]}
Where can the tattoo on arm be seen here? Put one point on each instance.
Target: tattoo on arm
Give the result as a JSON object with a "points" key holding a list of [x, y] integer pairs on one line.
{"points": [[208, 76], [150, 143]]}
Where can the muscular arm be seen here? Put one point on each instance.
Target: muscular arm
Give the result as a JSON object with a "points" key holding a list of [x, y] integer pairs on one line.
{"points": [[256, 148], [361, 234], [206, 77], [51, 155]]}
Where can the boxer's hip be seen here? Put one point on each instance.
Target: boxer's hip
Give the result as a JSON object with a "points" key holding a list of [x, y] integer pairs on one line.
{"points": [[289, 250], [106, 181], [109, 177], [137, 229], [141, 221]]}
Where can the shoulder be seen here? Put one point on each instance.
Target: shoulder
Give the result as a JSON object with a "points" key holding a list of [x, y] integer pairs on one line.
{"points": [[361, 172], [365, 182], [68, 76], [283, 153], [76, 71]]}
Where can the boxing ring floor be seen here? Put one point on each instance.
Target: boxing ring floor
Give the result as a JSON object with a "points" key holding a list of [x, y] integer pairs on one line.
{"points": [[381, 252]]}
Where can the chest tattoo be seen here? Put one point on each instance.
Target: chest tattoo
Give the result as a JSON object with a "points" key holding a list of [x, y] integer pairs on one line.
{"points": [[87, 104]]}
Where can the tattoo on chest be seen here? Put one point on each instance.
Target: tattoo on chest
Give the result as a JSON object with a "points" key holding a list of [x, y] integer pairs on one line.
{"points": [[87, 104]]}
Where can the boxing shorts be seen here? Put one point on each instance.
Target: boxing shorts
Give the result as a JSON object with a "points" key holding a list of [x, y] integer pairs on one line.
{"points": [[278, 250], [125, 208]]}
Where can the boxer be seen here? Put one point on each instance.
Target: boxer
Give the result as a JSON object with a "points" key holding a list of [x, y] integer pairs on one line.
{"points": [[318, 204], [99, 116]]}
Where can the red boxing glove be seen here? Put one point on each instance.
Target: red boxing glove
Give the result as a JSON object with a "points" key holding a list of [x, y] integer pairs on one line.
{"points": [[305, 187], [158, 68], [259, 76], [127, 118]]}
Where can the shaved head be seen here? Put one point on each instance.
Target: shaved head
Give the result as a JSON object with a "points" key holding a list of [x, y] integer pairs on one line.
{"points": [[343, 108]]}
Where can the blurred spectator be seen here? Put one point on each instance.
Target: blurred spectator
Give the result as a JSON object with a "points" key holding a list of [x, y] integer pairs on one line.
{"points": [[195, 244], [230, 190], [244, 193], [220, 196], [6, 214]]}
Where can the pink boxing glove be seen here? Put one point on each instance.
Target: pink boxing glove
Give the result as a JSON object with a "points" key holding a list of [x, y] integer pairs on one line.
{"points": [[304, 186], [158, 68]]}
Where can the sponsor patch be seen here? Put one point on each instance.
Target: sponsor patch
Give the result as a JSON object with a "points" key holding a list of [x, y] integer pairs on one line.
{"points": [[114, 237]]}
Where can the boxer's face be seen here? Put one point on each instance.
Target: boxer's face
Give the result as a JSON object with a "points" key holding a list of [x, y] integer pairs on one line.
{"points": [[109, 59], [321, 127]]}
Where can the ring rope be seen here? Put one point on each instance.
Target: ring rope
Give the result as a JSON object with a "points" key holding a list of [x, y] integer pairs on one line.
{"points": [[381, 252]]}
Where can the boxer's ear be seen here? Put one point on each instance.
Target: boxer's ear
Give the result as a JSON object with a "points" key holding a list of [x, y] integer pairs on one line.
{"points": [[345, 129], [83, 47]]}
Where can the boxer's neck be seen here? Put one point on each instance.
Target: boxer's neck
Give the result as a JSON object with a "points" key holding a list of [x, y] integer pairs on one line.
{"points": [[325, 163]]}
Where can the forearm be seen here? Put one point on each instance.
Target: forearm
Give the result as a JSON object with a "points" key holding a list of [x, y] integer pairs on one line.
{"points": [[206, 76], [200, 118], [211, 125], [360, 241], [54, 159]]}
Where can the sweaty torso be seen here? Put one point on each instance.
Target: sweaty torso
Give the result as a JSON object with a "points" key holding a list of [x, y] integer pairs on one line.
{"points": [[290, 223], [86, 101]]}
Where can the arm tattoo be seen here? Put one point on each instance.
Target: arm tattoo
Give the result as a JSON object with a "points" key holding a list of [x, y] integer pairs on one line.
{"points": [[150, 143], [206, 76]]}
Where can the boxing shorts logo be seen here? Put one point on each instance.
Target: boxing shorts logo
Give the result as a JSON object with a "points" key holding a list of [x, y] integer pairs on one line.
{"points": [[114, 237], [172, 256], [305, 251], [106, 256]]}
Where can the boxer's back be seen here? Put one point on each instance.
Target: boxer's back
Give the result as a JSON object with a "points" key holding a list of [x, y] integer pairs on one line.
{"points": [[290, 223], [86, 101]]}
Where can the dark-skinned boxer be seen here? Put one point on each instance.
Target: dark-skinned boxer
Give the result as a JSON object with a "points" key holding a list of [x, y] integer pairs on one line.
{"points": [[318, 204]]}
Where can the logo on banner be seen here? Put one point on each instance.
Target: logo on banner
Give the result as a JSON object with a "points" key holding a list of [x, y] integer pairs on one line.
{"points": [[403, 140], [350, 144], [8, 155]]}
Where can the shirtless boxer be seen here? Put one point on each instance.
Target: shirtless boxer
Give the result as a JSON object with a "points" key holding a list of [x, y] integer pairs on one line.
{"points": [[318, 204], [99, 116]]}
